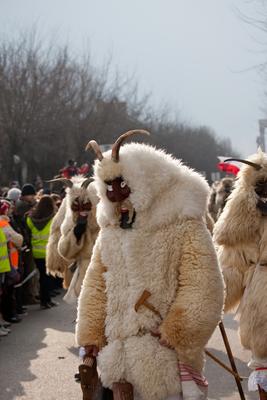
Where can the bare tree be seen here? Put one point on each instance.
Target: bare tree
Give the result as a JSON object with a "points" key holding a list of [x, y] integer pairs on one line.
{"points": [[52, 103]]}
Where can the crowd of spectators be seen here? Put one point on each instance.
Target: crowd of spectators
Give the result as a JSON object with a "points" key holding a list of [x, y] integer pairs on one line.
{"points": [[25, 219]]}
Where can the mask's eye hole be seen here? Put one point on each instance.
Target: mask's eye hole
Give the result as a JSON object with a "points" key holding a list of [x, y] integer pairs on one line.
{"points": [[110, 188], [123, 184]]}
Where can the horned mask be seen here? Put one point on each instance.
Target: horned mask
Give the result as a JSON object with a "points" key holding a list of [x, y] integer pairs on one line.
{"points": [[257, 178], [78, 193], [141, 185], [117, 188], [247, 204]]}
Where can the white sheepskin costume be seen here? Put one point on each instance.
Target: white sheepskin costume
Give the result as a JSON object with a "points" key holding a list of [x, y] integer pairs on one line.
{"points": [[168, 252], [69, 247]]}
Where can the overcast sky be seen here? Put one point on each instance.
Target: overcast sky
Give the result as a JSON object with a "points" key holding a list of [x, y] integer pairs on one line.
{"points": [[192, 54]]}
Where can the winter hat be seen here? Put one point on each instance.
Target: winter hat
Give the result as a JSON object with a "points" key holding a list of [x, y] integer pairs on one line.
{"points": [[28, 189], [4, 205], [14, 194]]}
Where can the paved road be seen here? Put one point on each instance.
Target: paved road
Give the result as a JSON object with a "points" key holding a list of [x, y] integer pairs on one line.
{"points": [[38, 359]]}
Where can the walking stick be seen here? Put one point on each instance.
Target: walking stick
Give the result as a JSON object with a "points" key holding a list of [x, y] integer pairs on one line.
{"points": [[232, 371]]}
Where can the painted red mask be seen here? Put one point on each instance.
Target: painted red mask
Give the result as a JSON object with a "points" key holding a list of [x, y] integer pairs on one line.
{"points": [[117, 190], [80, 207]]}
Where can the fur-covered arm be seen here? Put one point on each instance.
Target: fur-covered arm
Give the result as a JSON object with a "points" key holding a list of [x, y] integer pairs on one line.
{"points": [[13, 236], [234, 269], [71, 244], [197, 308], [233, 279], [55, 264], [90, 327]]}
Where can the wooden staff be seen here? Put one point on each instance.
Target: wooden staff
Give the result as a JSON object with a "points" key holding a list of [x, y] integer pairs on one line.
{"points": [[142, 301], [232, 371]]}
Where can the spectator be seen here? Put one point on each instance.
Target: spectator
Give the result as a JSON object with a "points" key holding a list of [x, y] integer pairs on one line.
{"points": [[14, 184], [84, 169], [4, 268], [57, 199], [27, 199], [22, 207], [70, 170], [39, 222], [14, 242], [14, 194]]}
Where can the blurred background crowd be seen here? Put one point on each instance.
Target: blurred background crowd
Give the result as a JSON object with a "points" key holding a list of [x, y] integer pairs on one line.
{"points": [[26, 214]]}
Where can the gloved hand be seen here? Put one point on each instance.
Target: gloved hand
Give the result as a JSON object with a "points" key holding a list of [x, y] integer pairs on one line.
{"points": [[156, 333], [80, 227]]}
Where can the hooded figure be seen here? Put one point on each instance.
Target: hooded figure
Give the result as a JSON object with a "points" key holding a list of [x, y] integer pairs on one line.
{"points": [[219, 193], [153, 293], [78, 230], [212, 206], [241, 236], [223, 191]]}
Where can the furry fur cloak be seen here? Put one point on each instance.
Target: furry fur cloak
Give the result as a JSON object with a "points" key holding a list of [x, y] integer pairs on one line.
{"points": [[241, 236], [69, 247], [168, 252]]}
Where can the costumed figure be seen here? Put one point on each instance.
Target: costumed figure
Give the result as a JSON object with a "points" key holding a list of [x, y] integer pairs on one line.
{"points": [[153, 293], [72, 236], [78, 230], [241, 236], [220, 191], [223, 191], [212, 206]]}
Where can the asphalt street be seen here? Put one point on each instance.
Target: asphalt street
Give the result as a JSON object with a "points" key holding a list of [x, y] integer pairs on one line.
{"points": [[39, 358]]}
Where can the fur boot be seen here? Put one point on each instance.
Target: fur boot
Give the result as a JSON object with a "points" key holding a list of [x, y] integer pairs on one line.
{"points": [[90, 383], [122, 391]]}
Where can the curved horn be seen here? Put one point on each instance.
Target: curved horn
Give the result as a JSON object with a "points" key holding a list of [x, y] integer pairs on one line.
{"points": [[86, 182], [116, 146], [66, 181], [92, 145], [254, 165]]}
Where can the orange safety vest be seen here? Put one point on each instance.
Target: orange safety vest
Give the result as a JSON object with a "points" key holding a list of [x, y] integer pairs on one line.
{"points": [[12, 250]]}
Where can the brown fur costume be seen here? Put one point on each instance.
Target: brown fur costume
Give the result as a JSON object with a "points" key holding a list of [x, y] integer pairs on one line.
{"points": [[241, 236]]}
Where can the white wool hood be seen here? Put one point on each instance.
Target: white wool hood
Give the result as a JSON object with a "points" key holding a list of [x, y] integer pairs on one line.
{"points": [[162, 187]]}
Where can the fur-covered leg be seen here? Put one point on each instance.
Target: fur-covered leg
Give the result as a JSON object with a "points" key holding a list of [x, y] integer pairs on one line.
{"points": [[122, 391], [262, 393], [89, 380]]}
